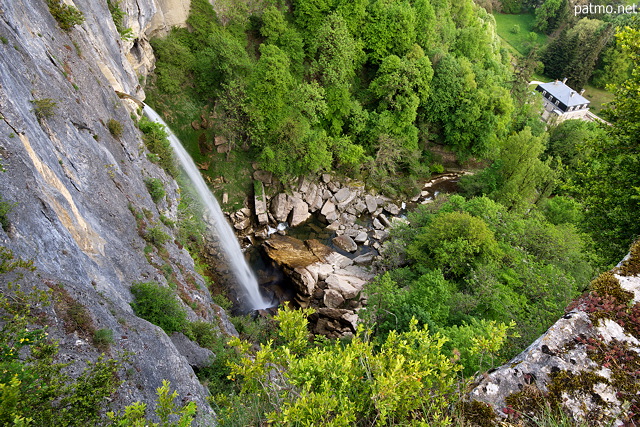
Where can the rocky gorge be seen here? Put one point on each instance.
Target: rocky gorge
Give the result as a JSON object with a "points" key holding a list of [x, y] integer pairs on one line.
{"points": [[80, 209]]}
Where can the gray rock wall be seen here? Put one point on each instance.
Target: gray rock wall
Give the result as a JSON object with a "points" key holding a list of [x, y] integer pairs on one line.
{"points": [[73, 183]]}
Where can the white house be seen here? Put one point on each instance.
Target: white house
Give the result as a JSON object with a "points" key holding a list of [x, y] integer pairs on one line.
{"points": [[562, 103]]}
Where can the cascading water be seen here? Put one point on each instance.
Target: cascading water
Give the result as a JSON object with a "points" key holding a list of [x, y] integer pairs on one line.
{"points": [[226, 237]]}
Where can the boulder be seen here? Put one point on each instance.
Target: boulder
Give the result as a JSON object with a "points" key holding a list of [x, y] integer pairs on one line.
{"points": [[326, 178], [371, 203], [345, 243], [384, 220], [303, 184], [299, 212], [343, 194], [280, 207], [260, 204], [359, 207], [196, 356], [333, 298], [263, 176], [242, 223], [333, 186], [377, 224], [392, 208], [364, 259], [329, 211], [380, 234], [361, 237]]}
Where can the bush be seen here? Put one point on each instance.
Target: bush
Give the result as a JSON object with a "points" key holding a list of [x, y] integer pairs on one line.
{"points": [[102, 338], [118, 17], [156, 189], [5, 208], [158, 305], [44, 108], [155, 139], [156, 236], [515, 29], [115, 128], [67, 16]]}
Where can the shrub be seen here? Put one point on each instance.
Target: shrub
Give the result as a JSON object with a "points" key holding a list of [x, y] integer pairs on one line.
{"points": [[102, 338], [118, 17], [156, 236], [115, 128], [66, 15], [155, 139], [44, 108], [156, 189], [158, 305], [5, 208], [515, 29]]}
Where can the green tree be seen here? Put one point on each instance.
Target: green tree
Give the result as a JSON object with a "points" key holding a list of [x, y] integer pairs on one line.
{"points": [[335, 56], [390, 29], [340, 384], [607, 182], [455, 242], [551, 15]]}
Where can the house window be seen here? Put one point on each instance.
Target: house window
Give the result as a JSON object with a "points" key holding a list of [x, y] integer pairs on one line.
{"points": [[550, 97], [570, 108], [544, 92], [557, 102]]}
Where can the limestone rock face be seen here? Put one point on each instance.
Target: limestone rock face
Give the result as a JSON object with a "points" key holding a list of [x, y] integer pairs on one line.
{"points": [[576, 346], [77, 188]]}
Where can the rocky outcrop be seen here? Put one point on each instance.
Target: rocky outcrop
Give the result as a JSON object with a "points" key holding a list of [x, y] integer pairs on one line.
{"points": [[586, 363], [322, 278], [81, 204]]}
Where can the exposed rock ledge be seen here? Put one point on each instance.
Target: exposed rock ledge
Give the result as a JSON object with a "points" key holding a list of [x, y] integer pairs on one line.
{"points": [[588, 362], [323, 279]]}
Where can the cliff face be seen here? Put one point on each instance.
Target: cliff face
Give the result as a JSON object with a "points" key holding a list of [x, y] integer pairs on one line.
{"points": [[75, 185]]}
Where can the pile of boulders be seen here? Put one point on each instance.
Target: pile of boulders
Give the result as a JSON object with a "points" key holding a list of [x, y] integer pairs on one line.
{"points": [[322, 278], [339, 205]]}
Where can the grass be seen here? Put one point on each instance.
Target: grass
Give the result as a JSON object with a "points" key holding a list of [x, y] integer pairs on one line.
{"points": [[519, 42], [598, 98], [237, 179]]}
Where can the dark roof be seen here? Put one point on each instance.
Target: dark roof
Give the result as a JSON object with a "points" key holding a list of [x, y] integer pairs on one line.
{"points": [[564, 93]]}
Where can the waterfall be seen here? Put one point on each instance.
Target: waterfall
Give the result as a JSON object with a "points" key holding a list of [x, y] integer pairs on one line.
{"points": [[226, 237]]}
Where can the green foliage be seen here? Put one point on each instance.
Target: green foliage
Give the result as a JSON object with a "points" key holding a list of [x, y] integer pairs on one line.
{"points": [[34, 388], [66, 15], [455, 242], [5, 209], [340, 384], [118, 16], [515, 29], [606, 182], [466, 261], [518, 177], [155, 139], [44, 108], [156, 236], [158, 305], [167, 411], [156, 189], [478, 343], [115, 128], [574, 54], [103, 338], [174, 64], [550, 15]]}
